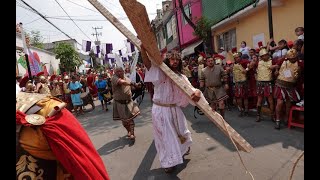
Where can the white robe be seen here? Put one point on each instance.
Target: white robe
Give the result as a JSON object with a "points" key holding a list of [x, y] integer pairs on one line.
{"points": [[167, 143]]}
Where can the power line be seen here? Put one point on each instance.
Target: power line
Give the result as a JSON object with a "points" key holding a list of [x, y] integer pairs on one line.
{"points": [[83, 6], [33, 21], [47, 20], [72, 20], [76, 16], [121, 18]]}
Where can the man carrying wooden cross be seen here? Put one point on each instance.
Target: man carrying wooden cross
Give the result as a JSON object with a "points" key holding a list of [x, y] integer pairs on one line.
{"points": [[171, 135]]}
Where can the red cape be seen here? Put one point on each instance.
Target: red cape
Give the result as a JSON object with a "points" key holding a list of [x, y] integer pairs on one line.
{"points": [[71, 145]]}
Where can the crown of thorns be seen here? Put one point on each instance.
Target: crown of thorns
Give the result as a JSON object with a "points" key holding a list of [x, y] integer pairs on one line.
{"points": [[173, 54]]}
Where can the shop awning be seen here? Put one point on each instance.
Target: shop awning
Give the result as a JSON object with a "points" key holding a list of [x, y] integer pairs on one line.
{"points": [[190, 49]]}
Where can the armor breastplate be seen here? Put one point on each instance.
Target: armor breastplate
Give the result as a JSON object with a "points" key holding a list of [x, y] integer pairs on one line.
{"points": [[56, 91], [238, 74], [263, 71], [289, 72], [45, 89], [30, 167], [26, 100]]}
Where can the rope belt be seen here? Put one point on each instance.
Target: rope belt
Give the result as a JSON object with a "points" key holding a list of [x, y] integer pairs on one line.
{"points": [[164, 105], [214, 87], [123, 101]]}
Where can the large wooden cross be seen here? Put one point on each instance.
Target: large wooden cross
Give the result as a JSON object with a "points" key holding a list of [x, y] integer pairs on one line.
{"points": [[138, 16]]}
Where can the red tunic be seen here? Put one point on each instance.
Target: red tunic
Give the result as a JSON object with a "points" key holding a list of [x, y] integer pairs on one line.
{"points": [[92, 88]]}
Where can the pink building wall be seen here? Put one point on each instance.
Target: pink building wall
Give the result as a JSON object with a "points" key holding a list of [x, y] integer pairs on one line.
{"points": [[186, 31]]}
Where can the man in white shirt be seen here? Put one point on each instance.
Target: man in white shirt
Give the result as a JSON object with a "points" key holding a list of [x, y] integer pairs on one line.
{"points": [[222, 52]]}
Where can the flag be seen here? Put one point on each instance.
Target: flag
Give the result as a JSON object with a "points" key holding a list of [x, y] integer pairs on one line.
{"points": [[103, 48], [35, 66], [111, 56], [96, 50], [106, 48], [86, 45], [109, 48], [119, 61], [22, 61], [130, 46]]}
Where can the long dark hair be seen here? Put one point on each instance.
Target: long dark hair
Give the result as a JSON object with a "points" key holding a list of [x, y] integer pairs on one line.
{"points": [[179, 68], [285, 44]]}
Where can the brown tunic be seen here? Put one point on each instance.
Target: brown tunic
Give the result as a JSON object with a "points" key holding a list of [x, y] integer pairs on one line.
{"points": [[213, 78], [120, 92], [123, 107]]}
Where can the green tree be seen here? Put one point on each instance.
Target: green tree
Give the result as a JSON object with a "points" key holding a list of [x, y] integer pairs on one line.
{"points": [[69, 57], [203, 31], [202, 28], [101, 68], [36, 40]]}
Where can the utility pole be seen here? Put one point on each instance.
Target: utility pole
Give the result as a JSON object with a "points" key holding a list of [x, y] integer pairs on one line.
{"points": [[97, 42], [270, 19]]}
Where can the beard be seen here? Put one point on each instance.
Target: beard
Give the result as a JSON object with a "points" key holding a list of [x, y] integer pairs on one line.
{"points": [[174, 67]]}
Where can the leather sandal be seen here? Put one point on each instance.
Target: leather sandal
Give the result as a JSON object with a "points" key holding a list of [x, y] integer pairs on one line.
{"points": [[169, 170], [277, 125], [188, 152], [258, 118]]}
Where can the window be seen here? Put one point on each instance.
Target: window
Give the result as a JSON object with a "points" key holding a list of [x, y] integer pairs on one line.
{"points": [[169, 29], [227, 40], [164, 30], [174, 27], [159, 40], [187, 10]]}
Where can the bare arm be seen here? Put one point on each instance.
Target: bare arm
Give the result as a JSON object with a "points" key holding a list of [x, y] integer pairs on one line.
{"points": [[127, 83], [123, 82], [38, 87], [202, 81]]}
